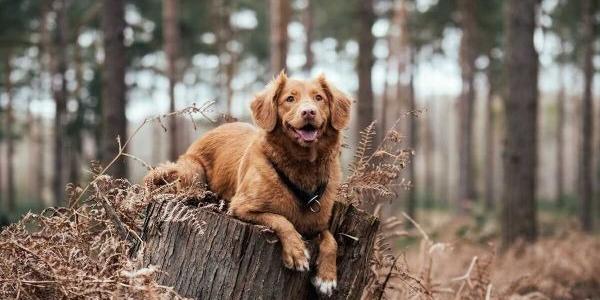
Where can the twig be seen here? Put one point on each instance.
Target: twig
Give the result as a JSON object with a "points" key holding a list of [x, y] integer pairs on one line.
{"points": [[146, 165], [112, 214], [349, 236], [122, 147], [468, 273], [423, 233], [488, 292], [387, 278]]}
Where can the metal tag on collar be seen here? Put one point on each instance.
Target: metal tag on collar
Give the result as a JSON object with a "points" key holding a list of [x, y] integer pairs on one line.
{"points": [[314, 199]]}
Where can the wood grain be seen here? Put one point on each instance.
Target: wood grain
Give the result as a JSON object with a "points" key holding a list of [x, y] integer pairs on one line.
{"points": [[205, 254]]}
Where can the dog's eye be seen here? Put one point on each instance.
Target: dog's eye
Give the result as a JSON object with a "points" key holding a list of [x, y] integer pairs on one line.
{"points": [[318, 98], [290, 99]]}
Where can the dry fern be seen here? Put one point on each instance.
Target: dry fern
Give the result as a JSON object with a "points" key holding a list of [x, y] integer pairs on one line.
{"points": [[83, 252], [373, 176], [88, 249]]}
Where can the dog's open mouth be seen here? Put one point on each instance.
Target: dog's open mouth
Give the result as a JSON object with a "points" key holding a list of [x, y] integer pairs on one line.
{"points": [[308, 133]]}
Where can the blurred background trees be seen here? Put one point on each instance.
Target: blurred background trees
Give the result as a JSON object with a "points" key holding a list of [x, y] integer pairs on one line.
{"points": [[496, 98]]}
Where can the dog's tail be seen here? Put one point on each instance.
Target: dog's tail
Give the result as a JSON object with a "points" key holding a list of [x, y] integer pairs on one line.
{"points": [[185, 172]]}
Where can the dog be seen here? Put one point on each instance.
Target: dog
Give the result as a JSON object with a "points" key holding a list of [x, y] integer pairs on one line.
{"points": [[284, 174]]}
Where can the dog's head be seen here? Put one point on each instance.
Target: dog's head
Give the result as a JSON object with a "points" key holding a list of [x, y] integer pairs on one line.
{"points": [[303, 109]]}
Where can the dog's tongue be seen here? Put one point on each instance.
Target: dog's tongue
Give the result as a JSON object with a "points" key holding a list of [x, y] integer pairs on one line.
{"points": [[308, 135]]}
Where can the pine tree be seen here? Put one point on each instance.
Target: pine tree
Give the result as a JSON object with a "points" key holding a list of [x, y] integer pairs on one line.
{"points": [[521, 104], [114, 122], [171, 46]]}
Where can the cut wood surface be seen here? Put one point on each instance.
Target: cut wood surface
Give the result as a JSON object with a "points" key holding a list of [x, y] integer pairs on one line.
{"points": [[205, 254]]}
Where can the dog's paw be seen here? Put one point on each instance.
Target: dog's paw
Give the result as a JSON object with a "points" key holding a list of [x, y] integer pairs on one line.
{"points": [[296, 256], [324, 286]]}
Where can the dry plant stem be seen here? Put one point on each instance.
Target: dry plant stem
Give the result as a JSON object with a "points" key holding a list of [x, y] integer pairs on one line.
{"points": [[466, 279], [188, 110], [113, 216], [141, 161], [488, 292], [423, 233], [387, 278]]}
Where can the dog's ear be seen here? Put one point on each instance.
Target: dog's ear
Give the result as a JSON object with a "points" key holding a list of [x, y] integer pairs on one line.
{"points": [[339, 104], [264, 105]]}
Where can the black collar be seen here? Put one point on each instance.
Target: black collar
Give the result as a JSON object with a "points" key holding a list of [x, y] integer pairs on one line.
{"points": [[307, 200]]}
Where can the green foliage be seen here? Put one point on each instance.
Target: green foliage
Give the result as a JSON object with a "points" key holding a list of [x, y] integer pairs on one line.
{"points": [[16, 20], [568, 32], [429, 26], [255, 41], [194, 20], [567, 205], [336, 19]]}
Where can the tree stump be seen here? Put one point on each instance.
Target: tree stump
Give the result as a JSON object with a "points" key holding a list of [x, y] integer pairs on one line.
{"points": [[205, 254]]}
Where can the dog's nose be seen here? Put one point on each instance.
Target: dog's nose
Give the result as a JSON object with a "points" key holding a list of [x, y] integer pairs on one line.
{"points": [[308, 112]]}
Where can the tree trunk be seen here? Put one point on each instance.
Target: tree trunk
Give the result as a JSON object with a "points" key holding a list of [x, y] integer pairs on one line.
{"points": [[10, 139], [366, 18], [399, 63], [75, 137], [308, 22], [227, 57], [520, 154], [468, 24], [59, 89], [490, 146], [280, 16], [447, 154], [40, 160], [429, 165], [46, 66], [412, 141], [385, 100], [586, 162], [203, 254], [2, 198], [114, 121], [560, 137], [171, 45]]}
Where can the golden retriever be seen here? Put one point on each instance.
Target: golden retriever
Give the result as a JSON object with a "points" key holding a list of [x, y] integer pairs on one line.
{"points": [[284, 174]]}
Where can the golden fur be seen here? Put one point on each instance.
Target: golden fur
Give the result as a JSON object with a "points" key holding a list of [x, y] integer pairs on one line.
{"points": [[235, 160]]}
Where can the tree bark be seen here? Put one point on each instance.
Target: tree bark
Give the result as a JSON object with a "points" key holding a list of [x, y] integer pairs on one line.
{"points": [[399, 63], [59, 89], [40, 160], [412, 141], [366, 18], [10, 141], [280, 16], [114, 121], [429, 165], [520, 154], [171, 46], [203, 254], [468, 24], [490, 146], [75, 137], [587, 128], [227, 57], [39, 136], [560, 144], [308, 22]]}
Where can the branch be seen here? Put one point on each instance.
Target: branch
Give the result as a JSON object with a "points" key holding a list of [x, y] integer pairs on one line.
{"points": [[188, 110]]}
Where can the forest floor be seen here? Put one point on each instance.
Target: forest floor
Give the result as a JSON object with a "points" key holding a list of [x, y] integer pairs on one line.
{"points": [[459, 258], [70, 252]]}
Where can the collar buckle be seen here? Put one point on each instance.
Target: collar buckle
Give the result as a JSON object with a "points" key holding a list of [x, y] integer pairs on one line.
{"points": [[314, 200]]}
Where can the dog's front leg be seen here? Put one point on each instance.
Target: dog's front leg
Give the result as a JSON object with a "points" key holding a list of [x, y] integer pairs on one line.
{"points": [[325, 280], [294, 252]]}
